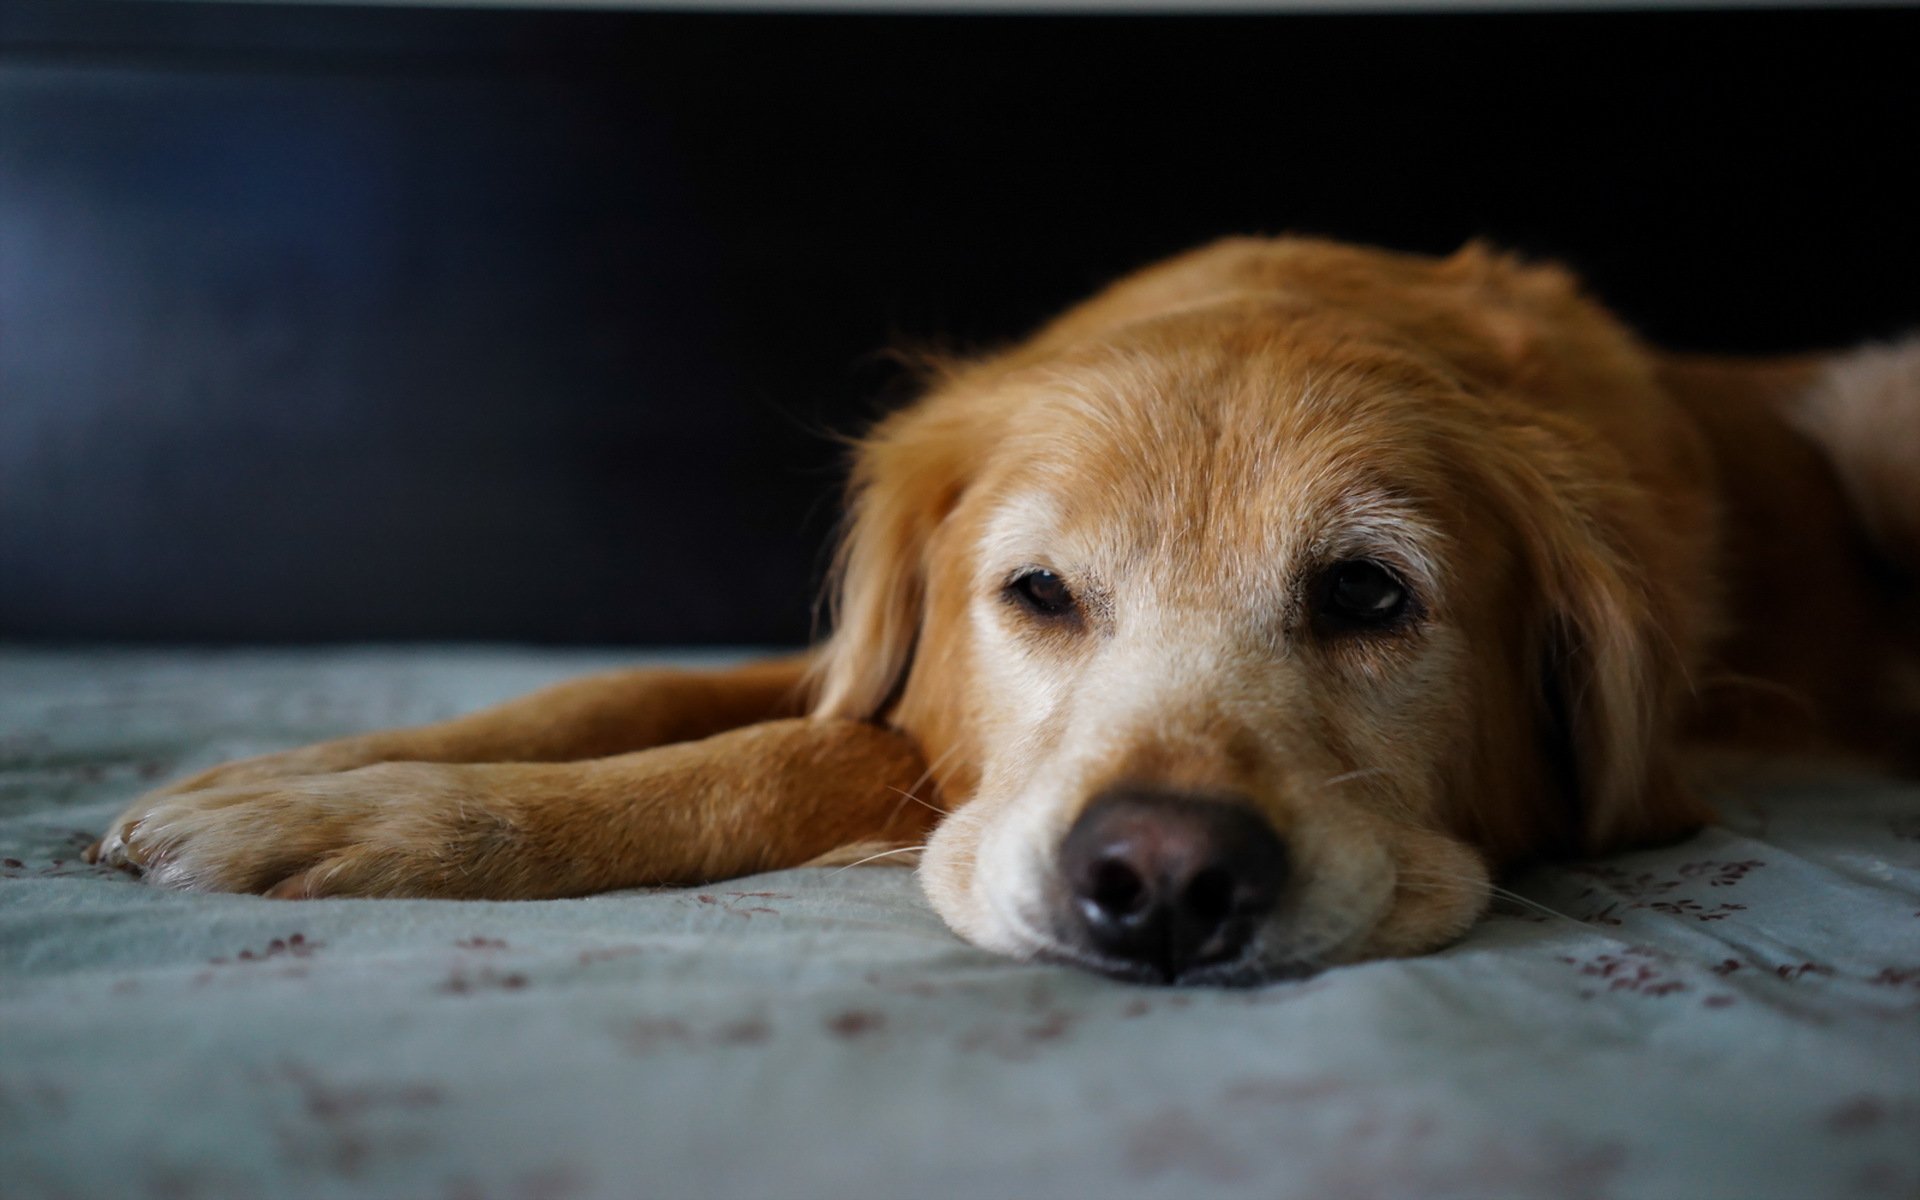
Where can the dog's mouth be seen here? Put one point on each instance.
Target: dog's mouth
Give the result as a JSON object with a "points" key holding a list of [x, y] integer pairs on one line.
{"points": [[1270, 952], [1243, 971], [1289, 945], [1170, 890]]}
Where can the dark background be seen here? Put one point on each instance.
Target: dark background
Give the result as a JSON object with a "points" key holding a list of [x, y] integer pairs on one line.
{"points": [[335, 323]]}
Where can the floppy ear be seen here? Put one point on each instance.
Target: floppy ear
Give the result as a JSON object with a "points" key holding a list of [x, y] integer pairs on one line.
{"points": [[1622, 613], [908, 475]]}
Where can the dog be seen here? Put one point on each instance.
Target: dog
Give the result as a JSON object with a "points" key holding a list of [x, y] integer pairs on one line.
{"points": [[1248, 619]]}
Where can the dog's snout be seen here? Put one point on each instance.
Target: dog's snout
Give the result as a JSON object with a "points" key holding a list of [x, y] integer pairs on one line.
{"points": [[1170, 881]]}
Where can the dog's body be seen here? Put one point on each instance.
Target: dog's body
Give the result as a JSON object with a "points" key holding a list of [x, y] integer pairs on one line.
{"points": [[1245, 620]]}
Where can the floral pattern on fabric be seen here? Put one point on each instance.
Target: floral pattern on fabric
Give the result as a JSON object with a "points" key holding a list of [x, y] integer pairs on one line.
{"points": [[1736, 1015]]}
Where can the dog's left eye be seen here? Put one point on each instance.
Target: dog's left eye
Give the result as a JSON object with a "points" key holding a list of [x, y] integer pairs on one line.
{"points": [[1362, 594], [1043, 592]]}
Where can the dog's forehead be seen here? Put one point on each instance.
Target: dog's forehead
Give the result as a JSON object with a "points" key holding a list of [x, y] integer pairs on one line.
{"points": [[1214, 461]]}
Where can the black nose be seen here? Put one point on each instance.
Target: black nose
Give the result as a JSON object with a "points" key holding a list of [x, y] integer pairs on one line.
{"points": [[1170, 881]]}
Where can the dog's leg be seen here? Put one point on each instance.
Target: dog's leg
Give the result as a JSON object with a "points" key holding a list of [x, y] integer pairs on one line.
{"points": [[1864, 410], [765, 796], [1818, 465], [592, 717], [1860, 409]]}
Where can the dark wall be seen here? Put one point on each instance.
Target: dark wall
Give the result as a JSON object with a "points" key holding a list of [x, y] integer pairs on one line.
{"points": [[341, 323]]}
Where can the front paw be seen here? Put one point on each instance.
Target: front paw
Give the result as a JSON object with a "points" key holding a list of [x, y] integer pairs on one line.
{"points": [[394, 829]]}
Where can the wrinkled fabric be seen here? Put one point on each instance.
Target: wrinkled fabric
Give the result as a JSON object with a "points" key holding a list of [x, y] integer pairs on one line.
{"points": [[1737, 1015]]}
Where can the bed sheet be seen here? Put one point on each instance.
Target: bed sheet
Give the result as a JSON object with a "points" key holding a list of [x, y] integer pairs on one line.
{"points": [[1735, 1016]]}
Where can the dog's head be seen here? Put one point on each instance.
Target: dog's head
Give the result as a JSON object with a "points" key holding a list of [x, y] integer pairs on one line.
{"points": [[1256, 611]]}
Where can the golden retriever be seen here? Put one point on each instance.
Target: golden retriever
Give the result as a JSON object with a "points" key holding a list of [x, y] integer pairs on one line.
{"points": [[1248, 619]]}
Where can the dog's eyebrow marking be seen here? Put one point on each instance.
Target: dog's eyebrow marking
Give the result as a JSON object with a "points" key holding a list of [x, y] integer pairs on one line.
{"points": [[1020, 532], [1373, 522]]}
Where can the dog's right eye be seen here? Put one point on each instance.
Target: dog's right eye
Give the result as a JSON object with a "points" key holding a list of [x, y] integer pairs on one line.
{"points": [[1362, 595], [1041, 592]]}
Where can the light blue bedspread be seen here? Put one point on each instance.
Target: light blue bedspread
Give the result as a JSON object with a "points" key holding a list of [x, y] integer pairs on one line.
{"points": [[1738, 1016]]}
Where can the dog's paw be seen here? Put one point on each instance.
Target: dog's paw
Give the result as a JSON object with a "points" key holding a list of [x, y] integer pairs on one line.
{"points": [[394, 829]]}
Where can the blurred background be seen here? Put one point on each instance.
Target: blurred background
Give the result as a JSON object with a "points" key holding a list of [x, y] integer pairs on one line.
{"points": [[328, 322]]}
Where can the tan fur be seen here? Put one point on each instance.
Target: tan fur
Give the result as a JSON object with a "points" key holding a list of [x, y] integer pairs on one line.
{"points": [[617, 780], [1614, 549]]}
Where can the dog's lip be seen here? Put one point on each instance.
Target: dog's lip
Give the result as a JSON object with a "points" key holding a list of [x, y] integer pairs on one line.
{"points": [[1256, 965], [1250, 968], [1238, 972]]}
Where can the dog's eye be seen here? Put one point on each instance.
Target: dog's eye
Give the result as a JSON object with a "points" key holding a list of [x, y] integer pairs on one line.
{"points": [[1042, 592], [1362, 594]]}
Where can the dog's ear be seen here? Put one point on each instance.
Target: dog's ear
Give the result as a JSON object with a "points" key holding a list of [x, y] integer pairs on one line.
{"points": [[1622, 610], [908, 475]]}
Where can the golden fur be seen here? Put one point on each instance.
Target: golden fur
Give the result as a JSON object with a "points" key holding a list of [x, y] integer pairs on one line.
{"points": [[1612, 553]]}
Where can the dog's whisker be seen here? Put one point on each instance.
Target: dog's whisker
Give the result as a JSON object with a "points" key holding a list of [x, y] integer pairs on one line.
{"points": [[1348, 776], [883, 854], [1433, 881], [1495, 893], [926, 776], [1535, 905], [917, 800], [1736, 682]]}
